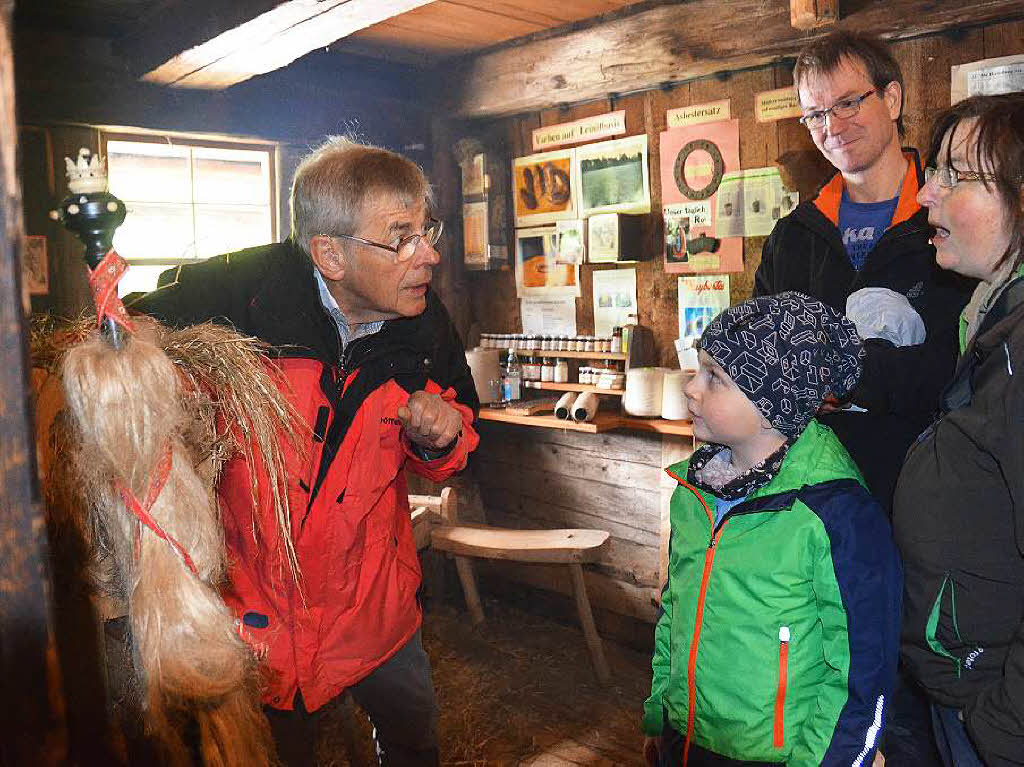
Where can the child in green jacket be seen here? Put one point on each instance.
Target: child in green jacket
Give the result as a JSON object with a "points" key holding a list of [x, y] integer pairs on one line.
{"points": [[779, 627]]}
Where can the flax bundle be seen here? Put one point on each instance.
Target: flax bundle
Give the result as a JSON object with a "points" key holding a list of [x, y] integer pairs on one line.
{"points": [[203, 393]]}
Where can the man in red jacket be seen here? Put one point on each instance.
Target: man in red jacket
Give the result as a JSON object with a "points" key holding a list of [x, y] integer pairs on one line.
{"points": [[376, 369]]}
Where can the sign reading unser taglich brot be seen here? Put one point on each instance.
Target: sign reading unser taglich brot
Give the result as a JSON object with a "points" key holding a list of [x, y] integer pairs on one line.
{"points": [[585, 129]]}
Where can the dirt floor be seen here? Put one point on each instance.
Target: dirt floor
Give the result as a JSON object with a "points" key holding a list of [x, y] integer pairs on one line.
{"points": [[517, 690]]}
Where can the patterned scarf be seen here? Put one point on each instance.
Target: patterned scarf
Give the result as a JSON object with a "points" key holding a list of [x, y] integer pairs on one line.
{"points": [[711, 471]]}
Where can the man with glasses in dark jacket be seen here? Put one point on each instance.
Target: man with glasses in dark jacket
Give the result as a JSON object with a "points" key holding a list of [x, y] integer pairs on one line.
{"points": [[865, 229]]}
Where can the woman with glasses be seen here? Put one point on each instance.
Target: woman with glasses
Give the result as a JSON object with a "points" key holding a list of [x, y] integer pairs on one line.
{"points": [[959, 504]]}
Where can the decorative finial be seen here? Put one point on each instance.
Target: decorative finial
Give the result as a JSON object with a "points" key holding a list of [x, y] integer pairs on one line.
{"points": [[87, 175]]}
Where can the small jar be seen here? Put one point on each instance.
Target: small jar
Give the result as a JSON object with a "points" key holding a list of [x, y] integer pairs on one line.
{"points": [[573, 344], [604, 345], [547, 370], [584, 375], [561, 371], [588, 343], [563, 343]]}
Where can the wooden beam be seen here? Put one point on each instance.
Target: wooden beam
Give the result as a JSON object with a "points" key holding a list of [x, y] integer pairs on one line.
{"points": [[811, 14], [33, 711], [674, 43], [271, 40]]}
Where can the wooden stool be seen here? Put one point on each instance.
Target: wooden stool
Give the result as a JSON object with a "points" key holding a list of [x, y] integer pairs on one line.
{"points": [[568, 547]]}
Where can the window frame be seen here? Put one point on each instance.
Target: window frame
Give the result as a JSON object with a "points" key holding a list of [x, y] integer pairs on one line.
{"points": [[271, 148]]}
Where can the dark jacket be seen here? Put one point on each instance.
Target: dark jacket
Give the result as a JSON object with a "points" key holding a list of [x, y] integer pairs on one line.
{"points": [[345, 480], [900, 387], [959, 522]]}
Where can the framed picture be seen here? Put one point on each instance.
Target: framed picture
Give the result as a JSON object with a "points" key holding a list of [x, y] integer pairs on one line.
{"points": [[544, 187], [538, 272], [35, 272], [614, 176], [473, 177], [474, 234]]}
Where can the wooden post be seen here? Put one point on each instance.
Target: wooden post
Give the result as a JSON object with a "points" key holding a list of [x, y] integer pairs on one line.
{"points": [[34, 729], [811, 14]]}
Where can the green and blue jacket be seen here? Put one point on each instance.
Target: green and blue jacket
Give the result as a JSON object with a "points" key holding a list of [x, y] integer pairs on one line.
{"points": [[779, 627]]}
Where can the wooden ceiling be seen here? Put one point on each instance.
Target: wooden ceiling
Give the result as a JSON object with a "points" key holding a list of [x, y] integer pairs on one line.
{"points": [[446, 28]]}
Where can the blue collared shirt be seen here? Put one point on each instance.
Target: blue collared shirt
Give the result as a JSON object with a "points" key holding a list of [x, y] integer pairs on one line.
{"points": [[346, 333]]}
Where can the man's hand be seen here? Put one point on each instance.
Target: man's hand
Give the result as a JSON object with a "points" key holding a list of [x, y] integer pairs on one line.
{"points": [[429, 421]]}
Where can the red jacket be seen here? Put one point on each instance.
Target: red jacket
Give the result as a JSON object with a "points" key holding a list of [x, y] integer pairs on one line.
{"points": [[346, 488]]}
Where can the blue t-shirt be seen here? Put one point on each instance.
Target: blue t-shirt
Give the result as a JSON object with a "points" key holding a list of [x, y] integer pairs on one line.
{"points": [[862, 224]]}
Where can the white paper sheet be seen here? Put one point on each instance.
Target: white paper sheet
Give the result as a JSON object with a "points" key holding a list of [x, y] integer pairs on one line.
{"points": [[549, 316], [614, 299]]}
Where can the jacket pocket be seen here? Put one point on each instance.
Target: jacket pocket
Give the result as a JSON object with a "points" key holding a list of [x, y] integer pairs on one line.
{"points": [[780, 694]]}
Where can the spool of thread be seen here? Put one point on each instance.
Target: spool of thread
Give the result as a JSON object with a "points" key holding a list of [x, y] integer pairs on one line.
{"points": [[585, 407], [643, 391], [563, 408], [673, 401], [484, 365]]}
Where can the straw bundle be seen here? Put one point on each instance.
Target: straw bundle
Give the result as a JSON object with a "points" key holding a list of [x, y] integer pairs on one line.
{"points": [[172, 406]]}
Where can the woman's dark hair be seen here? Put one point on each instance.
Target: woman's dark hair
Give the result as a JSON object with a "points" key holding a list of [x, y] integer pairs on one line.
{"points": [[998, 147]]}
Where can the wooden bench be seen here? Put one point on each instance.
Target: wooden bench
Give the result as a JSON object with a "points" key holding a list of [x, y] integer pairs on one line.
{"points": [[465, 541]]}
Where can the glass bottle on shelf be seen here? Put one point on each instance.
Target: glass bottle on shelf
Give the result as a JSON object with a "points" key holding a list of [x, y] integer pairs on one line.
{"points": [[512, 382]]}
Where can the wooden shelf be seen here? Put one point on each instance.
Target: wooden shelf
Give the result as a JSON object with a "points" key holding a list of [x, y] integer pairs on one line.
{"points": [[604, 421], [659, 425], [572, 355], [550, 386]]}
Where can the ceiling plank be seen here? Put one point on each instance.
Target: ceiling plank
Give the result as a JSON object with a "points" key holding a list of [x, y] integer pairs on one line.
{"points": [[272, 40], [679, 42]]}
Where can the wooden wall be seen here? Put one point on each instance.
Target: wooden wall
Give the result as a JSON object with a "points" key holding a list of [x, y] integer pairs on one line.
{"points": [[546, 478], [491, 298]]}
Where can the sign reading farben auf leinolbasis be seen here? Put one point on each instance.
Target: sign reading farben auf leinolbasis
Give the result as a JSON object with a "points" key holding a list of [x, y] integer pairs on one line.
{"points": [[585, 129]]}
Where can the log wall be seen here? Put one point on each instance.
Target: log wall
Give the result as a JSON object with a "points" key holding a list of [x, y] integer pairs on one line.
{"points": [[538, 477]]}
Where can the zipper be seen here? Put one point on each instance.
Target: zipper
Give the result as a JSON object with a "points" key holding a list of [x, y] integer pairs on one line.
{"points": [[698, 620], [780, 695]]}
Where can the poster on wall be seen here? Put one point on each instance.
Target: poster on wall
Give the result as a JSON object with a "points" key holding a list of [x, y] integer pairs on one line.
{"points": [[571, 249], [701, 298], [613, 176], [694, 160], [987, 77], [614, 299], [474, 234], [538, 272], [35, 272], [474, 182], [549, 316], [751, 202], [544, 187]]}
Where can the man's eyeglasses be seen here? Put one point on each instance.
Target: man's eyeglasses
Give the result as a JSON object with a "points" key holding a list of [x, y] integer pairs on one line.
{"points": [[842, 109], [948, 177], [404, 248]]}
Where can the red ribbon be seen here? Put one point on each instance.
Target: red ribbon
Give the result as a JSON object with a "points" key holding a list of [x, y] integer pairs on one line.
{"points": [[103, 281], [141, 510]]}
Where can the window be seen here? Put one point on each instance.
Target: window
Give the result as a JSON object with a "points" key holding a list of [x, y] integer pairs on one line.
{"points": [[187, 200]]}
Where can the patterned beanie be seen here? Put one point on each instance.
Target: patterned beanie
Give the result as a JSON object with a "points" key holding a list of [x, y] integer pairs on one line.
{"points": [[786, 352]]}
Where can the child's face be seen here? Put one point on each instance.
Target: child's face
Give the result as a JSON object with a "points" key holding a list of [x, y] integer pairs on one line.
{"points": [[721, 412]]}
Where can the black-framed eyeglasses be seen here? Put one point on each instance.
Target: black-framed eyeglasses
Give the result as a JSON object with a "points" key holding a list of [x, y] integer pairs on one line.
{"points": [[947, 176], [842, 109], [404, 247]]}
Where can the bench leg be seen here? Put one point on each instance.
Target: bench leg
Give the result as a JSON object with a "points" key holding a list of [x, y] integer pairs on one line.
{"points": [[587, 620], [465, 567]]}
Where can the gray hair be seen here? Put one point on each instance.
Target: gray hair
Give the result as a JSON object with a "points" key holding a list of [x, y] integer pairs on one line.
{"points": [[332, 183]]}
